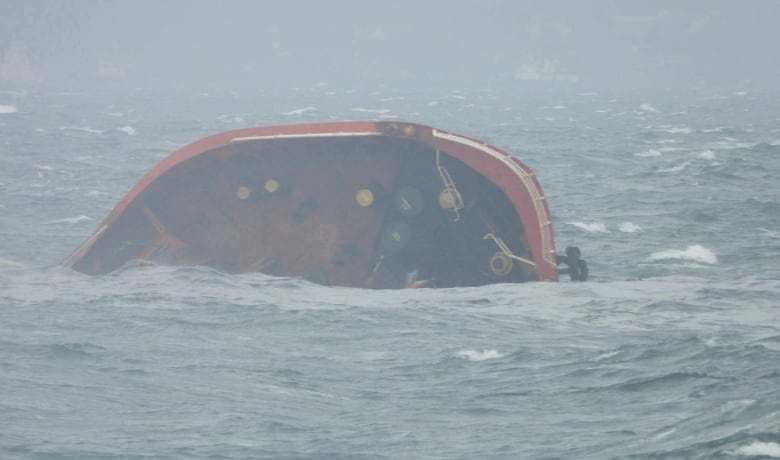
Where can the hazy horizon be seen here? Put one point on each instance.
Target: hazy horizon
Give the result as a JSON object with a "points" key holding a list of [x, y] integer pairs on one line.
{"points": [[246, 43]]}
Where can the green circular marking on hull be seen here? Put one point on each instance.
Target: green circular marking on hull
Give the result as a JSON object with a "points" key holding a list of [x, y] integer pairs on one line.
{"points": [[408, 201], [395, 236]]}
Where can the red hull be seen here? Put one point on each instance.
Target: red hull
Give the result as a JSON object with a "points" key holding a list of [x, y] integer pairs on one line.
{"points": [[364, 204]]}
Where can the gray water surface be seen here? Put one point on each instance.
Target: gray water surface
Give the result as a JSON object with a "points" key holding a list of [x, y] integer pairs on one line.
{"points": [[672, 350]]}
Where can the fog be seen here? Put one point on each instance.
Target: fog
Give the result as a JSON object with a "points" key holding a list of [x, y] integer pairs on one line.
{"points": [[195, 43]]}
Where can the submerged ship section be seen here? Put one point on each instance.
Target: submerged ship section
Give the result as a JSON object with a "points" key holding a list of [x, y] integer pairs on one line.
{"points": [[376, 205]]}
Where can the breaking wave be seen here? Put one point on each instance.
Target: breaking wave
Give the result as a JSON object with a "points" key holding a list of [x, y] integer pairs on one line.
{"points": [[649, 153], [675, 169], [648, 108], [695, 253], [129, 130], [82, 129], [476, 355], [591, 227], [628, 227], [300, 111], [69, 220], [761, 449]]}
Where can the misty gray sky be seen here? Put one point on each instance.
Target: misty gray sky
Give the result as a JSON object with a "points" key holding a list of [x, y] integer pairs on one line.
{"points": [[194, 43]]}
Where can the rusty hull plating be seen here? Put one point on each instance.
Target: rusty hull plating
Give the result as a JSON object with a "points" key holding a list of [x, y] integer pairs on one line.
{"points": [[361, 204]]}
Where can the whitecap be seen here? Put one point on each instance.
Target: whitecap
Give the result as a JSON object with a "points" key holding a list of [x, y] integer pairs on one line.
{"points": [[761, 449], [629, 227], [679, 130], [69, 220], [230, 118], [592, 227], [476, 355], [5, 109], [675, 169], [9, 263], [664, 434], [83, 129], [300, 111], [378, 111], [648, 153], [706, 155], [731, 144], [607, 355], [769, 233], [129, 130], [648, 108], [695, 253]]}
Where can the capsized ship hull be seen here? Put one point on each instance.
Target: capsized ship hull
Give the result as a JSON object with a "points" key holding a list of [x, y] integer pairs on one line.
{"points": [[361, 204]]}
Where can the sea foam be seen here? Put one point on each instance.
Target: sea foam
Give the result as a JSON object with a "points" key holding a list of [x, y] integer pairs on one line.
{"points": [[4, 109]]}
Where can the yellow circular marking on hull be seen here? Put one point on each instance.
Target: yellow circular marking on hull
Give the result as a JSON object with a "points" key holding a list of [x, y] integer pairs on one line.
{"points": [[446, 200], [271, 185], [243, 192], [364, 197]]}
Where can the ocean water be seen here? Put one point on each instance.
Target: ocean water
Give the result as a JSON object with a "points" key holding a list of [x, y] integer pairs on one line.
{"points": [[671, 350]]}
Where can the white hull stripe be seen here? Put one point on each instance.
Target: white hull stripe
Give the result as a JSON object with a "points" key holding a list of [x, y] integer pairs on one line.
{"points": [[294, 136]]}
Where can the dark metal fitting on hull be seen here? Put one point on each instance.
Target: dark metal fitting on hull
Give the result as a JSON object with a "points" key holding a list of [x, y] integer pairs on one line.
{"points": [[576, 268]]}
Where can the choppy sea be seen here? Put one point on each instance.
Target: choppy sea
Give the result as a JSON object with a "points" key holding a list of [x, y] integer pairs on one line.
{"points": [[671, 350]]}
